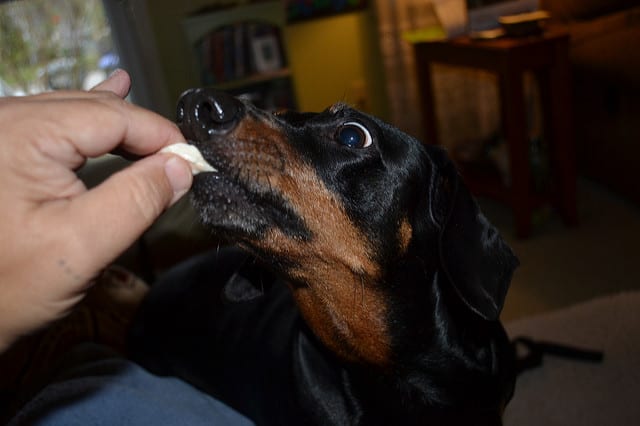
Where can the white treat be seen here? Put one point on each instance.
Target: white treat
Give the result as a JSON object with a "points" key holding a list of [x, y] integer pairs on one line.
{"points": [[191, 154]]}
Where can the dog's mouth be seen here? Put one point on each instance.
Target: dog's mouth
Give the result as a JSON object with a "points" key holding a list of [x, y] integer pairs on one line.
{"points": [[240, 197], [234, 202]]}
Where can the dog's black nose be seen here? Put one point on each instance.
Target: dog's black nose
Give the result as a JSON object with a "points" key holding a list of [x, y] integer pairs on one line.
{"points": [[205, 112]]}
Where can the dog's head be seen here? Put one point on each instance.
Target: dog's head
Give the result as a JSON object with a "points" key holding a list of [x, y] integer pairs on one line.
{"points": [[362, 219]]}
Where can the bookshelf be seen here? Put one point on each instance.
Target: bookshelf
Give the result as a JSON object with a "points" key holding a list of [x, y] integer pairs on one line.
{"points": [[240, 49]]}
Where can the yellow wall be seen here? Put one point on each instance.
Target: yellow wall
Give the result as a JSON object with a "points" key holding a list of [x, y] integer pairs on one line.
{"points": [[332, 59], [337, 59]]}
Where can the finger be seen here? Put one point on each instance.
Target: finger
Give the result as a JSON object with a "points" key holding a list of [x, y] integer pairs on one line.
{"points": [[110, 217], [145, 132], [119, 82], [93, 124]]}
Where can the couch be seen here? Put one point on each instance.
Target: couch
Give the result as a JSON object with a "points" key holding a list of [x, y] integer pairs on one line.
{"points": [[606, 87]]}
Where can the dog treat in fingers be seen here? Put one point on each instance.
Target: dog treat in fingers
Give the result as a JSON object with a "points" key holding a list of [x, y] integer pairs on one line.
{"points": [[191, 154]]}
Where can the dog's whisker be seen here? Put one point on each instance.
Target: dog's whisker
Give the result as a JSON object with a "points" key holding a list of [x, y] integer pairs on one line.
{"points": [[238, 174], [270, 184], [355, 295]]}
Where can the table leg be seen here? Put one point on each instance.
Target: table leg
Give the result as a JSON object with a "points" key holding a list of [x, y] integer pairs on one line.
{"points": [[425, 84], [562, 143], [515, 131]]}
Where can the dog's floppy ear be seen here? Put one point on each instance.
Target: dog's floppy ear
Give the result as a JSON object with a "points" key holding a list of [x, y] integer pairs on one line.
{"points": [[473, 255]]}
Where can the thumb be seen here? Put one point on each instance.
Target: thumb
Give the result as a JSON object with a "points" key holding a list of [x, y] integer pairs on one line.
{"points": [[110, 217]]}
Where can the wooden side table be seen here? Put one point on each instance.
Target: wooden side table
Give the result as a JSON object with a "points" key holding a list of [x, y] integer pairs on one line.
{"points": [[546, 56]]}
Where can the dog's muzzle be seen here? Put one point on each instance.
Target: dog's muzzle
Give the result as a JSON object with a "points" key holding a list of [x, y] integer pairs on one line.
{"points": [[203, 113]]}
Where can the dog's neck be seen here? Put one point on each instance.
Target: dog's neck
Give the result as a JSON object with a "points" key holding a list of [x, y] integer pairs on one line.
{"points": [[357, 395], [429, 374]]}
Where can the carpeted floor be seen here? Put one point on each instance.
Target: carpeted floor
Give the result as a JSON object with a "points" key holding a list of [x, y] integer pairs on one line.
{"points": [[578, 286], [562, 266], [566, 392]]}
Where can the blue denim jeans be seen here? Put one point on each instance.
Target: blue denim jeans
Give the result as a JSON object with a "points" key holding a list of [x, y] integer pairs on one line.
{"points": [[115, 391]]}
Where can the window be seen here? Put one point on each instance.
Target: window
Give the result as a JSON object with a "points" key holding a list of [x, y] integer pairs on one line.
{"points": [[54, 44]]}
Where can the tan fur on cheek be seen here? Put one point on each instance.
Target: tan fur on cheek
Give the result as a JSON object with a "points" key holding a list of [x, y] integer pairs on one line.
{"points": [[336, 275], [345, 311], [335, 278]]}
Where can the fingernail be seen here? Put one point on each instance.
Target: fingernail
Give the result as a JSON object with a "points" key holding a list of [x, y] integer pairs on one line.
{"points": [[114, 73], [179, 174]]}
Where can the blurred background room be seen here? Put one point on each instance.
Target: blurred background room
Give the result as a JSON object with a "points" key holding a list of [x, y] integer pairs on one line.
{"points": [[309, 54]]}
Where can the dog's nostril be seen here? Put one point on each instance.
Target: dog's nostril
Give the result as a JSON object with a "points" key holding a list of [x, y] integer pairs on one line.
{"points": [[217, 114], [218, 110], [204, 112], [211, 117]]}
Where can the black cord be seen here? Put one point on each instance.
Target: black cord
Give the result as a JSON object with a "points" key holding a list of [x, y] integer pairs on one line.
{"points": [[530, 353]]}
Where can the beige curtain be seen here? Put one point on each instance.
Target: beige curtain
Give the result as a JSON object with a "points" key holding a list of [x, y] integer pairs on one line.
{"points": [[394, 18], [466, 100]]}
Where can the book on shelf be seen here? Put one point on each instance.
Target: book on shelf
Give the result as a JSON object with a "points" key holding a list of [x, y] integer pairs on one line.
{"points": [[238, 51]]}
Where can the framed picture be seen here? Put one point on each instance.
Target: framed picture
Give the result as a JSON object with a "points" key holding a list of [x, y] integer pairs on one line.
{"points": [[266, 53]]}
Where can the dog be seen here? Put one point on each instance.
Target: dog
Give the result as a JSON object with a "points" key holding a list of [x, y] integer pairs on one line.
{"points": [[368, 284]]}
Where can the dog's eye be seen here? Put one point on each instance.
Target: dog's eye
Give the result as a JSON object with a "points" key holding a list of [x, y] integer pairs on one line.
{"points": [[354, 135]]}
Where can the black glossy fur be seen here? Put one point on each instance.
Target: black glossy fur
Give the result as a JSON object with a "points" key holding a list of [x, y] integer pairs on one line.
{"points": [[380, 300]]}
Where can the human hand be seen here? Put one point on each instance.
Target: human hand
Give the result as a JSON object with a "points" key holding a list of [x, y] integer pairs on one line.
{"points": [[56, 235]]}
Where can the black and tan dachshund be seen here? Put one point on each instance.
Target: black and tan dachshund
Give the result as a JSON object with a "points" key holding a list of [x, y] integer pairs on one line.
{"points": [[368, 289]]}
